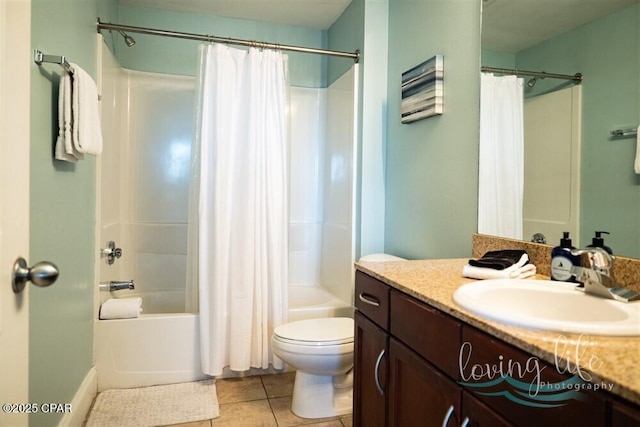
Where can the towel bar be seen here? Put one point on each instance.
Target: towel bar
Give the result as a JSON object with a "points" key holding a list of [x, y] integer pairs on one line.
{"points": [[39, 58], [624, 132]]}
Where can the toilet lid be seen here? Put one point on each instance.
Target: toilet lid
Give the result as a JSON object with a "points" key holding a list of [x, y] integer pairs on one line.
{"points": [[325, 331]]}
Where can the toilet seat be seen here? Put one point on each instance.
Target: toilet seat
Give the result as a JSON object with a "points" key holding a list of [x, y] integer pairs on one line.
{"points": [[330, 331]]}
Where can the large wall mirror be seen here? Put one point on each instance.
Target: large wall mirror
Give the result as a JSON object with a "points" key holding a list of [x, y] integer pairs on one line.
{"points": [[601, 40]]}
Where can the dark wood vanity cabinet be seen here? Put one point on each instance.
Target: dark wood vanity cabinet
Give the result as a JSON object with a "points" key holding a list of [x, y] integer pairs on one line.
{"points": [[623, 415], [419, 394], [407, 371], [371, 345]]}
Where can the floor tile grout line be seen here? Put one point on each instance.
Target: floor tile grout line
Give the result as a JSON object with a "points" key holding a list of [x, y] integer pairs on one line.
{"points": [[273, 413], [264, 387]]}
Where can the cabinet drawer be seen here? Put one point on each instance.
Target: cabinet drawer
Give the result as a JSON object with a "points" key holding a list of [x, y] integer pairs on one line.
{"points": [[429, 332], [524, 401], [372, 299]]}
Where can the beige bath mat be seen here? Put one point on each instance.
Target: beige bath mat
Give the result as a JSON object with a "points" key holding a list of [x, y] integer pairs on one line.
{"points": [[155, 406]]}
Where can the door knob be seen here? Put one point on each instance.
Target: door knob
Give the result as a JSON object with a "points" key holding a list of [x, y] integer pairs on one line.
{"points": [[41, 274]]}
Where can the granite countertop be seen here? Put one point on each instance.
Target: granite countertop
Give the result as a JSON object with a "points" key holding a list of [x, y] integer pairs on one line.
{"points": [[612, 361]]}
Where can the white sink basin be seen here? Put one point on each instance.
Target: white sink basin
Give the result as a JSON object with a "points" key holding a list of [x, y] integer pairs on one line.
{"points": [[549, 306]]}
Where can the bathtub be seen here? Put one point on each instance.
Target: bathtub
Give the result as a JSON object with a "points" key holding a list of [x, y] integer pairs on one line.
{"points": [[165, 348]]}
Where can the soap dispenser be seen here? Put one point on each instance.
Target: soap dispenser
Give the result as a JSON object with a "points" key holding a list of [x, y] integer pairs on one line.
{"points": [[562, 260], [598, 242]]}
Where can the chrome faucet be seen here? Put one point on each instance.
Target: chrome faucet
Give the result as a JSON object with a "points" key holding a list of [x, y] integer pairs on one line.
{"points": [[596, 276], [120, 285]]}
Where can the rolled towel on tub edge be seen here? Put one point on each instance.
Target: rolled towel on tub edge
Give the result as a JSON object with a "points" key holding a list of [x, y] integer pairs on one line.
{"points": [[121, 308]]}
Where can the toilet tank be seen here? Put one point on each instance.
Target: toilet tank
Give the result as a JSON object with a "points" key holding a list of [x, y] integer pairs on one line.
{"points": [[380, 258]]}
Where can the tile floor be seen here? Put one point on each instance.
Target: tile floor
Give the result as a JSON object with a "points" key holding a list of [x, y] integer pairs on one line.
{"points": [[261, 401]]}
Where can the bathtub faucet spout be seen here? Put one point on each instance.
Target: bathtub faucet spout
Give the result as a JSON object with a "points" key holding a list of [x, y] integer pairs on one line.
{"points": [[119, 285]]}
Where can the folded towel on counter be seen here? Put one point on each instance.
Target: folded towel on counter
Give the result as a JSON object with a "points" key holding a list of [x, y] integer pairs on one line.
{"points": [[499, 260], [522, 269], [87, 133], [121, 308]]}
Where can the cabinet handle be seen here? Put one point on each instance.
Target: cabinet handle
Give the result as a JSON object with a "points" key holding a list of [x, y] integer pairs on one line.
{"points": [[369, 299], [375, 372], [447, 416], [465, 422]]}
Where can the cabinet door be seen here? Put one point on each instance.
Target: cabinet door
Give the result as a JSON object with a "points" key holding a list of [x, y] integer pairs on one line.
{"points": [[370, 373], [480, 415], [419, 395], [624, 415], [432, 334]]}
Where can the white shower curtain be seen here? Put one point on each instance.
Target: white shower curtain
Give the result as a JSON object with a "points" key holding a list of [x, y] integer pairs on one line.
{"points": [[242, 217], [501, 165]]}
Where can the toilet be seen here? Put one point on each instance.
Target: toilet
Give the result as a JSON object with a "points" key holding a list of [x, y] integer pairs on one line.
{"points": [[321, 352], [381, 258]]}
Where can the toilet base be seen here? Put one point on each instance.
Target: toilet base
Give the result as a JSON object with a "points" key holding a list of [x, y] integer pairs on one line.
{"points": [[315, 396]]}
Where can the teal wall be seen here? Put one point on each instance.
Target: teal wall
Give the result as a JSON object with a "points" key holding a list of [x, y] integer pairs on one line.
{"points": [[607, 53], [492, 58], [62, 214], [364, 26], [175, 56], [432, 164], [347, 35]]}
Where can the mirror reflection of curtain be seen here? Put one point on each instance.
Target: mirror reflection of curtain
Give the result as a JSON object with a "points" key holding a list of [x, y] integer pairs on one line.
{"points": [[240, 248], [501, 164]]}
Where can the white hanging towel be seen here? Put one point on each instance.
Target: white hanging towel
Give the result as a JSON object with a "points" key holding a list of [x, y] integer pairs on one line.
{"points": [[121, 308], [637, 163], [64, 145], [87, 134]]}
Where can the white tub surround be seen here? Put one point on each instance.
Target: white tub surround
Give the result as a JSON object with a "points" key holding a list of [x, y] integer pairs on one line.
{"points": [[311, 302]]}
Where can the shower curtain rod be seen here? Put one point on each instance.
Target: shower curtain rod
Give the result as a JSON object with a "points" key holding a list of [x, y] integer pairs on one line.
{"points": [[227, 40], [577, 78]]}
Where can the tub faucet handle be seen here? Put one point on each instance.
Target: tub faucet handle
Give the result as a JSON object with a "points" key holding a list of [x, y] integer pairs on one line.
{"points": [[111, 252]]}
